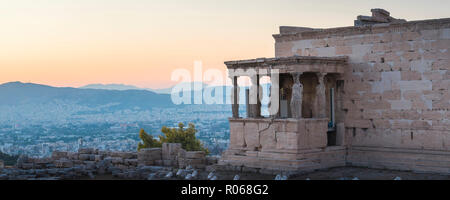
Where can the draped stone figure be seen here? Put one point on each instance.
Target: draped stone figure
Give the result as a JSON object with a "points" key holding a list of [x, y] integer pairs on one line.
{"points": [[321, 98], [297, 97]]}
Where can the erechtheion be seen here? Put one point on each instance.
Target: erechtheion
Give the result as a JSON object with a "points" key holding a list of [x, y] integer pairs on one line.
{"points": [[375, 94]]}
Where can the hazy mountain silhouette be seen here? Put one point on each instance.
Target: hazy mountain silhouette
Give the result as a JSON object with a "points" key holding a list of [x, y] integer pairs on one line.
{"points": [[164, 90], [132, 87], [111, 87], [17, 93]]}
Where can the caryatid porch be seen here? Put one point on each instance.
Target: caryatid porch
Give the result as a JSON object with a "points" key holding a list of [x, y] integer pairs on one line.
{"points": [[303, 99]]}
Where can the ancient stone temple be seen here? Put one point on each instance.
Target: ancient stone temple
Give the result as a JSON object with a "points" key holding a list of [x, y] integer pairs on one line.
{"points": [[375, 95]]}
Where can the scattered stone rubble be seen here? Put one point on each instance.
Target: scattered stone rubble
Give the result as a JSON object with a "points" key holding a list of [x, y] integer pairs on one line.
{"points": [[152, 163]]}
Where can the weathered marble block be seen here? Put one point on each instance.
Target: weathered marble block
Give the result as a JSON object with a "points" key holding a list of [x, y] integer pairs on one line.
{"points": [[170, 151]]}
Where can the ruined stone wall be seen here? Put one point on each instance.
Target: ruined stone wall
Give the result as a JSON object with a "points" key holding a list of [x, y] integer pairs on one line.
{"points": [[396, 90], [88, 162]]}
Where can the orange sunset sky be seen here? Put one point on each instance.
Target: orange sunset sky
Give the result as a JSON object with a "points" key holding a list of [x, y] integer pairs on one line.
{"points": [[137, 42]]}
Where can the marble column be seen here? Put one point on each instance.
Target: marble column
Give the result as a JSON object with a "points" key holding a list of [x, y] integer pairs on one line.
{"points": [[297, 97], [259, 96], [321, 96], [247, 104], [235, 97], [254, 110]]}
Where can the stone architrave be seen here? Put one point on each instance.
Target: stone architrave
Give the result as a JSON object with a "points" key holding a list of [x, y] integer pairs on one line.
{"points": [[297, 97]]}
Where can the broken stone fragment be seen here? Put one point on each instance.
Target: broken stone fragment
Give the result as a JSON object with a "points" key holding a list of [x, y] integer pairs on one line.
{"points": [[169, 175], [188, 177], [151, 176], [195, 173], [210, 175]]}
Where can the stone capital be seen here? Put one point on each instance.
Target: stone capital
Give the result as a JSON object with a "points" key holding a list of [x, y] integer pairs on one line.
{"points": [[321, 74], [296, 76], [321, 78], [232, 76]]}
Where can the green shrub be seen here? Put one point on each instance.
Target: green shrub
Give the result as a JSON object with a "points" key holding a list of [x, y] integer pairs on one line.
{"points": [[186, 137], [8, 159], [147, 141]]}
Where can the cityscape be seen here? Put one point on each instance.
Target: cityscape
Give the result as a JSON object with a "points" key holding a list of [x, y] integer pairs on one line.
{"points": [[55, 127], [39, 119]]}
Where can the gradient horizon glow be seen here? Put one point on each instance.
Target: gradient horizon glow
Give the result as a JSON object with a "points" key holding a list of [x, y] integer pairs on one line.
{"points": [[137, 42]]}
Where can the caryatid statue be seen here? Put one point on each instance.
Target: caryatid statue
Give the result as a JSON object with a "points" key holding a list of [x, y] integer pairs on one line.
{"points": [[297, 97], [320, 95]]}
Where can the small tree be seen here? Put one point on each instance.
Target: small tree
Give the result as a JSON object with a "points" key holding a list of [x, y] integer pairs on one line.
{"points": [[184, 136], [9, 160], [147, 141]]}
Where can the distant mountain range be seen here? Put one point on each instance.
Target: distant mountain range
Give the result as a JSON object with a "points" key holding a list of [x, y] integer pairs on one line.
{"points": [[17, 93], [111, 87], [169, 90], [117, 96], [122, 87], [36, 103]]}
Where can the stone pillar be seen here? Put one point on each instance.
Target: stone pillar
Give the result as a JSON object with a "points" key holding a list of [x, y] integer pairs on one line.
{"points": [[254, 110], [235, 97], [321, 96], [248, 108], [297, 97], [259, 96]]}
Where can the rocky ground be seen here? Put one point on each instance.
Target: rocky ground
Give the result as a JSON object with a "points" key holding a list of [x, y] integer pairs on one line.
{"points": [[350, 173], [173, 163], [340, 173], [168, 173]]}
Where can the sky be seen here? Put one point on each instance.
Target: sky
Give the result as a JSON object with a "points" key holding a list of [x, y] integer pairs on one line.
{"points": [[71, 43]]}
